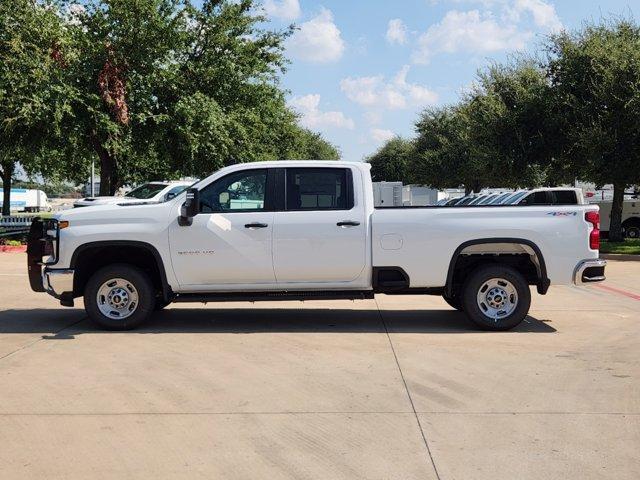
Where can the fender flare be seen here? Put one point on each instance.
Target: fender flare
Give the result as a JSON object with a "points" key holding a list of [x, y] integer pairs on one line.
{"points": [[167, 292], [543, 279]]}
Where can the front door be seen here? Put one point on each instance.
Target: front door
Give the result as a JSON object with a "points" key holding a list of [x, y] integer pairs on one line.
{"points": [[320, 236], [229, 242]]}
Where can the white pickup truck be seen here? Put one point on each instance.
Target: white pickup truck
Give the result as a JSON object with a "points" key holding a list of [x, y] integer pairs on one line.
{"points": [[296, 230]]}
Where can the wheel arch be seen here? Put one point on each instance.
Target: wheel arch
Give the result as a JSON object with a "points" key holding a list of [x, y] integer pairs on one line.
{"points": [[631, 222], [103, 253], [493, 250]]}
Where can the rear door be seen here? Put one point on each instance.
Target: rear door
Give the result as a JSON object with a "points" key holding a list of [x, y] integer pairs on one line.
{"points": [[320, 235]]}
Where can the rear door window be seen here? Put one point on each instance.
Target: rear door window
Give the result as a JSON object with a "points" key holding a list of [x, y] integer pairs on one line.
{"points": [[564, 197], [536, 198], [319, 189]]}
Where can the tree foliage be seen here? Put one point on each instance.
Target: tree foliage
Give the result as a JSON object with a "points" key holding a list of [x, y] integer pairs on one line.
{"points": [[30, 34], [498, 135], [161, 88], [392, 162], [595, 74]]}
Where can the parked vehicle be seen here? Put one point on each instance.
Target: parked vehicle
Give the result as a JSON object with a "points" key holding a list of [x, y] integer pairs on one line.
{"points": [[630, 217], [550, 196], [148, 192], [27, 200], [500, 198], [308, 230]]}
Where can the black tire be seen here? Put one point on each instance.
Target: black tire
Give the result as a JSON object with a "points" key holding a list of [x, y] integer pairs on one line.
{"points": [[632, 231], [137, 279], [520, 302], [454, 302], [160, 304]]}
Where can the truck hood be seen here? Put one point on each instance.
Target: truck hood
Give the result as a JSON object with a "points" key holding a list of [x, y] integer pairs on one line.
{"points": [[127, 212], [95, 201]]}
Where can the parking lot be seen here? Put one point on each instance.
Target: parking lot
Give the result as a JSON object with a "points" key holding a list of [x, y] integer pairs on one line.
{"points": [[396, 388]]}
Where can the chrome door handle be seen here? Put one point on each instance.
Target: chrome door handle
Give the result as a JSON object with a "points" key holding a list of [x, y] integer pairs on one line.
{"points": [[256, 225], [348, 223]]}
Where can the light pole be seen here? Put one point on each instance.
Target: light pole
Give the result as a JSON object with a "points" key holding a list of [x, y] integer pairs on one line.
{"points": [[93, 174]]}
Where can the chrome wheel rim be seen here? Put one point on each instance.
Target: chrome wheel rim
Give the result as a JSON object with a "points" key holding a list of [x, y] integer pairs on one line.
{"points": [[497, 298], [117, 298]]}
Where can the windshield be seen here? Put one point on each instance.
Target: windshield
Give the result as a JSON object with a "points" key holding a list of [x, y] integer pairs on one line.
{"points": [[515, 198], [146, 191], [487, 200], [500, 198]]}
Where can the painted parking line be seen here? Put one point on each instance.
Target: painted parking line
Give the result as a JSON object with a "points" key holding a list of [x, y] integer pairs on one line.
{"points": [[619, 291]]}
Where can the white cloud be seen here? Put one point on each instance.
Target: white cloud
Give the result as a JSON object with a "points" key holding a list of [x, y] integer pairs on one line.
{"points": [[319, 40], [396, 94], [396, 32], [380, 135], [472, 32], [544, 14], [283, 9], [312, 117]]}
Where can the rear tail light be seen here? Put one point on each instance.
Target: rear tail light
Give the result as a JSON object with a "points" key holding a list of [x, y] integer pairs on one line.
{"points": [[594, 237]]}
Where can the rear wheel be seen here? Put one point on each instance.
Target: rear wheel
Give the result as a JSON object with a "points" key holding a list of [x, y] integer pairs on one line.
{"points": [[160, 304], [496, 297], [119, 297], [632, 231]]}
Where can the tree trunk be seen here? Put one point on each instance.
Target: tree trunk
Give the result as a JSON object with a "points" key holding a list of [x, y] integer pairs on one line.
{"points": [[108, 168], [106, 175], [615, 227], [7, 173]]}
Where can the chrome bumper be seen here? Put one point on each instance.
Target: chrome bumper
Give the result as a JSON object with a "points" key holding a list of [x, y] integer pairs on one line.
{"points": [[589, 271], [58, 282]]}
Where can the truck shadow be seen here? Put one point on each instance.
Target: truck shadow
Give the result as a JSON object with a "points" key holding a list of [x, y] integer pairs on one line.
{"points": [[68, 323]]}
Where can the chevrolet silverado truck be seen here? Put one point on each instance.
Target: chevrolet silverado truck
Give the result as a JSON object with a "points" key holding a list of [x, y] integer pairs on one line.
{"points": [[297, 230]]}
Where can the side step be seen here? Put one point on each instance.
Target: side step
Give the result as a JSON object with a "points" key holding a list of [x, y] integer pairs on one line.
{"points": [[273, 296]]}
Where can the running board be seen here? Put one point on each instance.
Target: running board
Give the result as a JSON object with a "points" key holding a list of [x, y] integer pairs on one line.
{"points": [[273, 296]]}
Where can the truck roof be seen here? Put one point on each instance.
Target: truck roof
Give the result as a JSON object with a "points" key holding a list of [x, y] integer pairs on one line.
{"points": [[300, 163]]}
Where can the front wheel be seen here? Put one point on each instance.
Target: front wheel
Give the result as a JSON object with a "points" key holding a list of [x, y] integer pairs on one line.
{"points": [[119, 297], [454, 302], [496, 297]]}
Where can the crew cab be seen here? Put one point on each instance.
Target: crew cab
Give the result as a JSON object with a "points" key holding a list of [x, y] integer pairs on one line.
{"points": [[296, 230]]}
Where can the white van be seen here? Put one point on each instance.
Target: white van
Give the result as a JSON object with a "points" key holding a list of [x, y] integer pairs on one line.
{"points": [[630, 217], [23, 200]]}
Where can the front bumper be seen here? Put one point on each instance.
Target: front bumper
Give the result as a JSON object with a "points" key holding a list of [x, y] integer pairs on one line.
{"points": [[589, 271], [58, 282]]}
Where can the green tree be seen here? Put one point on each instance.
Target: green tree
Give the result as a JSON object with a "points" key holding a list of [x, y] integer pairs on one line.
{"points": [[310, 145], [163, 87], [595, 74], [446, 157], [392, 162], [511, 124], [30, 37]]}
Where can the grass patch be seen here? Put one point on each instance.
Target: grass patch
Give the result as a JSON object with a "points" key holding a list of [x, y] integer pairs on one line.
{"points": [[628, 247]]}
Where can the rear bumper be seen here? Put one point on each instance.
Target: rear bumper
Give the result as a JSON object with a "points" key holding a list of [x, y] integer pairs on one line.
{"points": [[589, 271]]}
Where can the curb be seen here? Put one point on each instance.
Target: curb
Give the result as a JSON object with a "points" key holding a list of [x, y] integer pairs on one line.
{"points": [[620, 257], [13, 248]]}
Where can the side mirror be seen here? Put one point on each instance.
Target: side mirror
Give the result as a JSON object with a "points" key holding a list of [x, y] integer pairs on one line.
{"points": [[190, 208]]}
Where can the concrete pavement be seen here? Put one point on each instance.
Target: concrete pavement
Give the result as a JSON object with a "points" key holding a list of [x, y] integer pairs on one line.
{"points": [[396, 388]]}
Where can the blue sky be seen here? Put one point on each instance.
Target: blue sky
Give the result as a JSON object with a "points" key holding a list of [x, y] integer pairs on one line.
{"points": [[361, 70]]}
